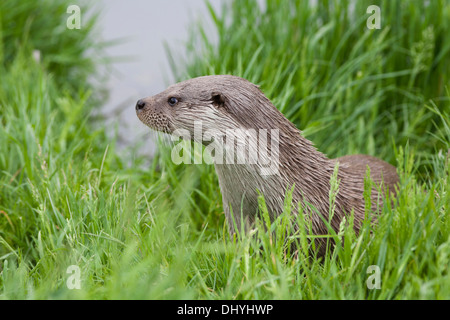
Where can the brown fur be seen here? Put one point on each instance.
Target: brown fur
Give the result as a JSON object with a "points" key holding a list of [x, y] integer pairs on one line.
{"points": [[224, 102]]}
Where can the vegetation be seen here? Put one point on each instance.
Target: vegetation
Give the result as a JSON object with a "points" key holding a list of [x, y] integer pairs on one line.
{"points": [[158, 231]]}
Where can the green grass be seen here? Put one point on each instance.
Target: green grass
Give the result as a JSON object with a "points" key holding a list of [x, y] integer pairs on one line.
{"points": [[157, 231]]}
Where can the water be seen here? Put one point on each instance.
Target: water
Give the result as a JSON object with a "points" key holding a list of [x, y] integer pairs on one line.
{"points": [[143, 69]]}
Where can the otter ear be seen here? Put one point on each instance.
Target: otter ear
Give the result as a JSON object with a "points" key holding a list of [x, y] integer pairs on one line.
{"points": [[217, 99]]}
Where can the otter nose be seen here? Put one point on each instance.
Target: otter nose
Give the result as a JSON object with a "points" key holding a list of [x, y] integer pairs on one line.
{"points": [[140, 105]]}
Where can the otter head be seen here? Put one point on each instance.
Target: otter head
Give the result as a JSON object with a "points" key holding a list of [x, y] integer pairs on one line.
{"points": [[218, 102]]}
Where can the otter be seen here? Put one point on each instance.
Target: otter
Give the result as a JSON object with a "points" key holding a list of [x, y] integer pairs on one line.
{"points": [[224, 104]]}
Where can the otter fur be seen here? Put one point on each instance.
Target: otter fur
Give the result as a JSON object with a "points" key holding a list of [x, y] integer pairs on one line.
{"points": [[224, 102]]}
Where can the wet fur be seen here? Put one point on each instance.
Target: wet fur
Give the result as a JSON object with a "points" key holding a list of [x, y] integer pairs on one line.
{"points": [[229, 102]]}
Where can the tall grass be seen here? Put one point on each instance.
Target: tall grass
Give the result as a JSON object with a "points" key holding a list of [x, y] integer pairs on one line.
{"points": [[158, 232]]}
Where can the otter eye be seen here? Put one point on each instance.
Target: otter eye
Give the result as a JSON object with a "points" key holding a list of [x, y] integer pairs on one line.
{"points": [[172, 101]]}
